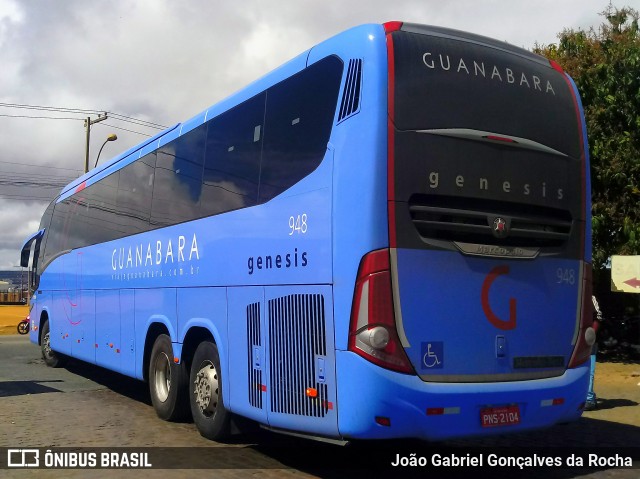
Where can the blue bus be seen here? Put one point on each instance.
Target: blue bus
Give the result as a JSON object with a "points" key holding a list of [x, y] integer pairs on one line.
{"points": [[386, 237]]}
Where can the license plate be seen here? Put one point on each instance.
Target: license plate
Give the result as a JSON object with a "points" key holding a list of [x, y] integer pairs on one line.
{"points": [[500, 416]]}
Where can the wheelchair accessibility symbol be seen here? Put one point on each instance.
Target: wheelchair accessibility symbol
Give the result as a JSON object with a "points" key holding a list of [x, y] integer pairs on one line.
{"points": [[432, 355]]}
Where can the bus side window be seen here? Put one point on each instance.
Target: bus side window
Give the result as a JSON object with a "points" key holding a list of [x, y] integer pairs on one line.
{"points": [[232, 163], [135, 190], [299, 118], [177, 186], [56, 240]]}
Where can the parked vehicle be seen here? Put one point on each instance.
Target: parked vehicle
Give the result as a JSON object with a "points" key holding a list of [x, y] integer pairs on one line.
{"points": [[23, 326]]}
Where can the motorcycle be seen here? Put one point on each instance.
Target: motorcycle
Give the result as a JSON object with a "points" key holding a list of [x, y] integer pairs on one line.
{"points": [[23, 326]]}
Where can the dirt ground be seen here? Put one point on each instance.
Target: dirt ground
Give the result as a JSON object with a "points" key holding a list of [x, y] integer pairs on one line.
{"points": [[10, 316]]}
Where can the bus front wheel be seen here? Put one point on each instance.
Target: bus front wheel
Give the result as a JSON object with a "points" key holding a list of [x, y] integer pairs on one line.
{"points": [[167, 381], [51, 358], [205, 393]]}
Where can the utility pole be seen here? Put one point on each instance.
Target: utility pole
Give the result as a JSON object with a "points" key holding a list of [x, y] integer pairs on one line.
{"points": [[87, 124]]}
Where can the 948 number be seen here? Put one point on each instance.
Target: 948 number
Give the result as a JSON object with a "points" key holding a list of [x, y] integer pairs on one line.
{"points": [[298, 224], [565, 276]]}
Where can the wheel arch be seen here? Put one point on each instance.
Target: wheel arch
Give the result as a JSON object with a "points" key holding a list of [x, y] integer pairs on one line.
{"points": [[44, 318]]}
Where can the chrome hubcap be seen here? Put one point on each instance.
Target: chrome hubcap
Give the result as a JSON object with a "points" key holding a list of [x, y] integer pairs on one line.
{"points": [[206, 389], [162, 377]]}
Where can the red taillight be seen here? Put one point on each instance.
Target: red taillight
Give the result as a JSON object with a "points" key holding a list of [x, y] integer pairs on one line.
{"points": [[390, 27], [373, 333], [504, 139], [556, 66], [586, 335]]}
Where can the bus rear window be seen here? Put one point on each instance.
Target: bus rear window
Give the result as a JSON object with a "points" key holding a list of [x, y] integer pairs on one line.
{"points": [[443, 81]]}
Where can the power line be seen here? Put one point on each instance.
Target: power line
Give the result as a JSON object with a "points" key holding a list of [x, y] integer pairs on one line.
{"points": [[40, 166], [49, 108], [41, 117], [118, 116], [27, 198], [125, 129], [138, 121]]}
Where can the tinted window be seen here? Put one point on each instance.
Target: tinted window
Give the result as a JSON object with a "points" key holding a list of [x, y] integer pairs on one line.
{"points": [[178, 181], [93, 216], [232, 165], [449, 83], [103, 205], [135, 190], [56, 239], [299, 117], [45, 224], [230, 162]]}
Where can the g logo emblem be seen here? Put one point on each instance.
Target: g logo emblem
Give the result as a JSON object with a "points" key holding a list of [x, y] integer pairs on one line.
{"points": [[484, 297]]}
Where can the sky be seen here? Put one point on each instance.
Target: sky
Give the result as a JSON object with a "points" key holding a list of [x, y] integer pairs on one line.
{"points": [[159, 62]]}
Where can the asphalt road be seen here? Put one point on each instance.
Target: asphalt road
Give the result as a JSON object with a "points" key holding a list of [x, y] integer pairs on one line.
{"points": [[82, 406]]}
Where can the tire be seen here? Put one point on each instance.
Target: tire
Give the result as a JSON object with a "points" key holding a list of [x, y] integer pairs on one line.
{"points": [[205, 393], [51, 358], [23, 327], [167, 382]]}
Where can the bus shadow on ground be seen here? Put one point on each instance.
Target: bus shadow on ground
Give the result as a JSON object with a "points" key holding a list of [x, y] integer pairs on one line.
{"points": [[20, 388], [116, 382], [604, 403]]}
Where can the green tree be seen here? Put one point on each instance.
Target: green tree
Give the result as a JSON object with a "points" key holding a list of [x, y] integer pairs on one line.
{"points": [[605, 64]]}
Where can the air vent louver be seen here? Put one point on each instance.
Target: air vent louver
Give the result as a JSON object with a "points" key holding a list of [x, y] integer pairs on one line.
{"points": [[350, 104], [253, 340], [297, 339], [471, 221]]}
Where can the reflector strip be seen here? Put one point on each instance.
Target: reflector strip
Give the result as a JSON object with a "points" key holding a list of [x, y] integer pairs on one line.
{"points": [[438, 411], [263, 388], [500, 138], [383, 421], [552, 402]]}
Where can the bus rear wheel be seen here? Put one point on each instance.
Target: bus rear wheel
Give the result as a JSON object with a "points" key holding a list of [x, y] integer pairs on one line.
{"points": [[167, 381], [51, 358], [205, 393]]}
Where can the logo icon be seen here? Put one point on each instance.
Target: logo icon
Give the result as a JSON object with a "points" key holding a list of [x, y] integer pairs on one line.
{"points": [[23, 457], [486, 307], [433, 355], [500, 228]]}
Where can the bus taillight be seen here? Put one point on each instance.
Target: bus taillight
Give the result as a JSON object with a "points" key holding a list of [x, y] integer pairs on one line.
{"points": [[586, 334], [373, 333]]}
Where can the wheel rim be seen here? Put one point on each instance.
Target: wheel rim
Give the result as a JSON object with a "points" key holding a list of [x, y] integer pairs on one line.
{"points": [[206, 389], [162, 376], [46, 345]]}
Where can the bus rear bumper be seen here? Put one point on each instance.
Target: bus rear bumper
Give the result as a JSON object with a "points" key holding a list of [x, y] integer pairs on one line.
{"points": [[369, 397]]}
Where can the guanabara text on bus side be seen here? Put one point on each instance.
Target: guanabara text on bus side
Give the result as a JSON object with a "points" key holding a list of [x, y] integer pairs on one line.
{"points": [[386, 237]]}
